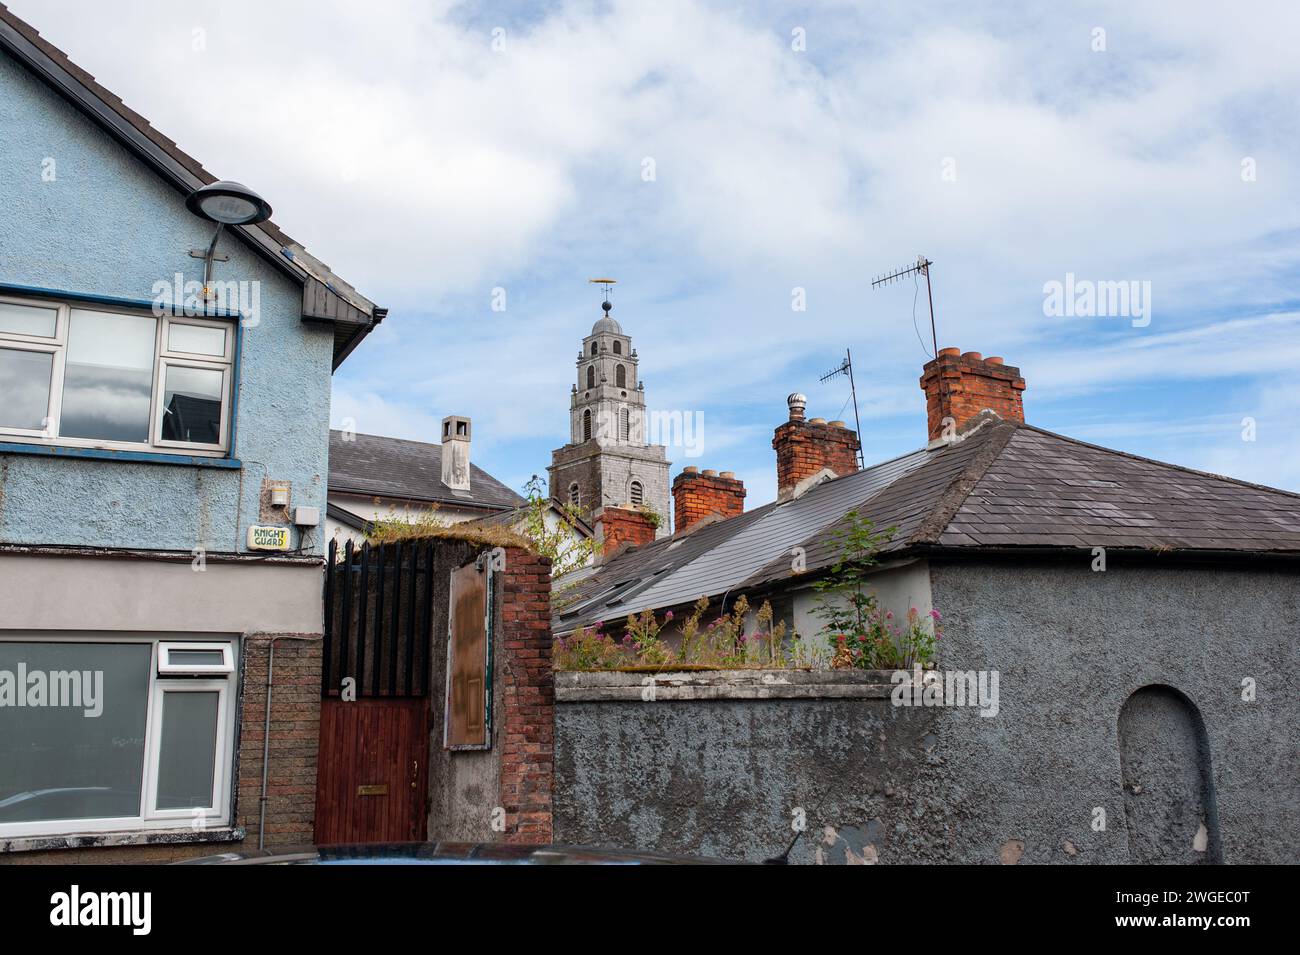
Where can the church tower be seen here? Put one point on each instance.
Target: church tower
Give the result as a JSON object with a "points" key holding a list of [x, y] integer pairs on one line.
{"points": [[607, 462]]}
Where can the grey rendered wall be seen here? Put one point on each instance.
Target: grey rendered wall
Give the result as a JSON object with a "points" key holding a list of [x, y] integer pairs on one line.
{"points": [[904, 785], [1072, 646]]}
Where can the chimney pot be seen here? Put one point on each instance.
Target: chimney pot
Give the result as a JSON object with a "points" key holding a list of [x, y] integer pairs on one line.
{"points": [[455, 452], [958, 386], [697, 496], [804, 448]]}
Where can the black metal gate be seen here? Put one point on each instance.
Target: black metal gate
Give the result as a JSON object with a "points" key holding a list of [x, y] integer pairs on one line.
{"points": [[378, 618]]}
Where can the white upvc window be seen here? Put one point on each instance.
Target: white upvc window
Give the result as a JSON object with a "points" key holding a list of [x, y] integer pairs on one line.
{"points": [[126, 733], [86, 376]]}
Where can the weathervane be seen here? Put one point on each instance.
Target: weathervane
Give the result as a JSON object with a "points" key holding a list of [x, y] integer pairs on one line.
{"points": [[609, 284], [922, 267]]}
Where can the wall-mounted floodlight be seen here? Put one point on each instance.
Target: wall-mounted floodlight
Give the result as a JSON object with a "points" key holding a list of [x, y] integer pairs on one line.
{"points": [[225, 203]]}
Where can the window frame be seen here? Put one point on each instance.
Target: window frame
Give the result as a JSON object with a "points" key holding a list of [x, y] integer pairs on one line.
{"points": [[216, 812], [149, 818], [163, 357]]}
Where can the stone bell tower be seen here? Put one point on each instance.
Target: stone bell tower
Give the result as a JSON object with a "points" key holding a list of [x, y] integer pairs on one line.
{"points": [[607, 462]]}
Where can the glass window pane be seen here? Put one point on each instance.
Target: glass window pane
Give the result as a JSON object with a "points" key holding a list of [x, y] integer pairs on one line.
{"points": [[24, 388], [28, 319], [187, 755], [75, 748], [191, 404], [196, 658], [197, 340], [108, 376]]}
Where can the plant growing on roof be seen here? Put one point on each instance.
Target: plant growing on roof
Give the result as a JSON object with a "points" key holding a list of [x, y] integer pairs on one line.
{"points": [[567, 549], [859, 632]]}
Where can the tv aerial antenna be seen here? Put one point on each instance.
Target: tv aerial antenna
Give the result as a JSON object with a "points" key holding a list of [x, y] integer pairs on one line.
{"points": [[922, 267], [845, 368]]}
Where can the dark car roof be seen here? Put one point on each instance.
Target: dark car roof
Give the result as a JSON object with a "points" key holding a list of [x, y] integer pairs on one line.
{"points": [[447, 853]]}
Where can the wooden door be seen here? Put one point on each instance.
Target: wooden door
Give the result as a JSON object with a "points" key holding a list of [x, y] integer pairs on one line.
{"points": [[372, 773]]}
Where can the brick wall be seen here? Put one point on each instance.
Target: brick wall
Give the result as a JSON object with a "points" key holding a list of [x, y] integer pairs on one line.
{"points": [[697, 495], [295, 733], [803, 448], [623, 525], [528, 721], [959, 386]]}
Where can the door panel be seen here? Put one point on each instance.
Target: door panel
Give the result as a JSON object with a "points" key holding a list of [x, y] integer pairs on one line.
{"points": [[372, 777]]}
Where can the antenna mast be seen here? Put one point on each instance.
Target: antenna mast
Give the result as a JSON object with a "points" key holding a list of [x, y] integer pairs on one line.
{"points": [[922, 266], [846, 368]]}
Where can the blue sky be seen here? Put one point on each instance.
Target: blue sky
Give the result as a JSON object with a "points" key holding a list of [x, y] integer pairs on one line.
{"points": [[429, 166]]}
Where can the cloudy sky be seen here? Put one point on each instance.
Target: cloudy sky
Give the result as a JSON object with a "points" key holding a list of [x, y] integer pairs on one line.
{"points": [[716, 157]]}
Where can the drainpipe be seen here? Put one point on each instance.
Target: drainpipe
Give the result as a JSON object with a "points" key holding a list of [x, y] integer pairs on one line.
{"points": [[266, 736]]}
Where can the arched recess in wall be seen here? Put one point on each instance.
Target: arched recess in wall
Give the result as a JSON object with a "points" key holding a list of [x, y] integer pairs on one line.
{"points": [[1169, 806], [586, 425], [620, 376], [591, 376]]}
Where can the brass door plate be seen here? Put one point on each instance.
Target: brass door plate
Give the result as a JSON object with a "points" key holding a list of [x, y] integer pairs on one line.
{"points": [[373, 789]]}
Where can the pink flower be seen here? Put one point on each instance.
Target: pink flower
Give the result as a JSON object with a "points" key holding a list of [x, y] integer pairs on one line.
{"points": [[668, 615], [889, 615], [935, 614]]}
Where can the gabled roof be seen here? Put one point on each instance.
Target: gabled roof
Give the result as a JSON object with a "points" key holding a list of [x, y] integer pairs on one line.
{"points": [[1003, 486], [326, 297], [375, 466], [508, 518]]}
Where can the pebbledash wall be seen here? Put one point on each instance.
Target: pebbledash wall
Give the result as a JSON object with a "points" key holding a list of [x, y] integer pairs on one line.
{"points": [[1121, 730], [105, 550]]}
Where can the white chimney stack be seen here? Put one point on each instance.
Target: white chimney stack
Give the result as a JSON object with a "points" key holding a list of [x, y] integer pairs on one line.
{"points": [[455, 452]]}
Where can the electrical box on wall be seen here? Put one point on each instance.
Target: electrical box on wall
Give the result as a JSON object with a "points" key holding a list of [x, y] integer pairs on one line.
{"points": [[306, 516]]}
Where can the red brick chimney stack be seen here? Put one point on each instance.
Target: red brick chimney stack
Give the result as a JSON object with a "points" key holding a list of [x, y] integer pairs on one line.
{"points": [[959, 386], [616, 526], [699, 495], [804, 448]]}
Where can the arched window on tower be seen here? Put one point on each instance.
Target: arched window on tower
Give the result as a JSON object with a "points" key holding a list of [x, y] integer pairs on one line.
{"points": [[593, 348], [618, 347], [637, 493], [624, 425], [586, 425], [575, 494], [591, 376], [620, 376]]}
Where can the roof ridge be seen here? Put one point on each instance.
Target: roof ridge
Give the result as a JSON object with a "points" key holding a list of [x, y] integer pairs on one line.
{"points": [[1163, 464], [933, 525]]}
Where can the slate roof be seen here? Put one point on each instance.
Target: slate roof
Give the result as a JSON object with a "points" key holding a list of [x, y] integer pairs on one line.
{"points": [[1003, 486], [375, 466], [327, 298]]}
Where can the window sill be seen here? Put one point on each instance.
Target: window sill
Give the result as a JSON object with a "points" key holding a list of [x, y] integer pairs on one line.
{"points": [[139, 837], [101, 454]]}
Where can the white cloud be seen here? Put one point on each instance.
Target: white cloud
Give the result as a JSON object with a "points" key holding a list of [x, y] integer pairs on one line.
{"points": [[426, 168]]}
